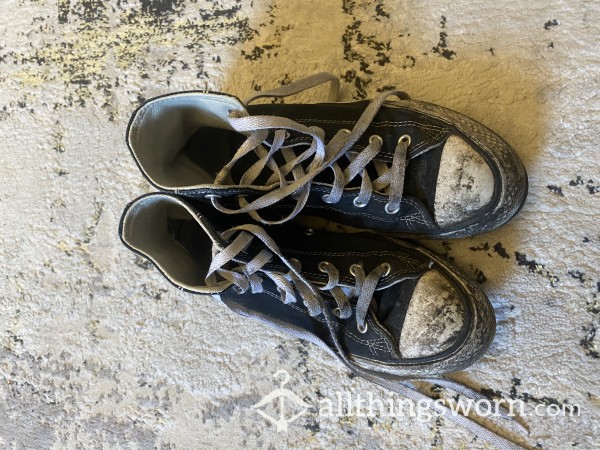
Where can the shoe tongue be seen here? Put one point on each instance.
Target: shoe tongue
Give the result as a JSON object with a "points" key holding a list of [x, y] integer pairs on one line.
{"points": [[214, 223], [422, 175], [392, 305]]}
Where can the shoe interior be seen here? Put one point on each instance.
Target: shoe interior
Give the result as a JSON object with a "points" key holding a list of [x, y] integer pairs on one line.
{"points": [[165, 231], [160, 130]]}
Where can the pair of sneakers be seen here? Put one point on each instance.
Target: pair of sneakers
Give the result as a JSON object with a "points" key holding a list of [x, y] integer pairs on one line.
{"points": [[246, 192]]}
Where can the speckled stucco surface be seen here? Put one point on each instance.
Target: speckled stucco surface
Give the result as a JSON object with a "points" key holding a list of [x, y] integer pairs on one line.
{"points": [[97, 350]]}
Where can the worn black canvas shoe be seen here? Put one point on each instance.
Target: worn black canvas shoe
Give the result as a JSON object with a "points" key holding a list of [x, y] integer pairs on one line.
{"points": [[385, 307], [390, 311], [395, 166]]}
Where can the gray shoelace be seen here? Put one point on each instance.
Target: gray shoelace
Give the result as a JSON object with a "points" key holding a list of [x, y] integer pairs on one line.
{"points": [[291, 179], [292, 284]]}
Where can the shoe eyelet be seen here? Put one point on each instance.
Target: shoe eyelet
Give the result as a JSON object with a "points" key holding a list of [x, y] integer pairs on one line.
{"points": [[358, 204], [211, 196], [322, 266], [390, 211], [405, 138], [237, 289], [388, 269], [309, 232], [294, 261], [287, 135], [376, 137], [327, 199], [353, 269], [362, 329], [337, 312], [345, 130]]}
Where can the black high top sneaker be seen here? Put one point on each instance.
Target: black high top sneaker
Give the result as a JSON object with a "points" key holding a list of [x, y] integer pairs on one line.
{"points": [[390, 311], [394, 166], [382, 304]]}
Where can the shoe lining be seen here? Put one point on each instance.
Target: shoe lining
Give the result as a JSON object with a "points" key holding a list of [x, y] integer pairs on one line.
{"points": [[153, 228], [159, 133]]}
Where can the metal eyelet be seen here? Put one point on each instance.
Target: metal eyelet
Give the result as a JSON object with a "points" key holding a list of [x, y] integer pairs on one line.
{"points": [[309, 232], [362, 329], [391, 211], [337, 312], [211, 196], [388, 269], [238, 289], [354, 268], [286, 136], [322, 266], [405, 138], [345, 130], [358, 204], [294, 261], [327, 199], [376, 137]]}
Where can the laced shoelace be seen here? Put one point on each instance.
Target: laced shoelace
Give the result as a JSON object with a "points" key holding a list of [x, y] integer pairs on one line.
{"points": [[292, 284], [291, 178], [246, 277]]}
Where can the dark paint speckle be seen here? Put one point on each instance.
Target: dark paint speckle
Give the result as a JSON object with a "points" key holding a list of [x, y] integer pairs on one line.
{"points": [[551, 23], [89, 11], [352, 77], [381, 12], [587, 343], [479, 276], [63, 10], [545, 400], [590, 185], [228, 13], [409, 62], [442, 46], [534, 267], [556, 189], [160, 7], [498, 248], [348, 6], [354, 40], [578, 275], [491, 393], [485, 247], [313, 427], [576, 182]]}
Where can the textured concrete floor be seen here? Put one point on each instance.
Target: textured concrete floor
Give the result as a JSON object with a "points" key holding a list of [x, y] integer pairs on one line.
{"points": [[98, 351]]}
